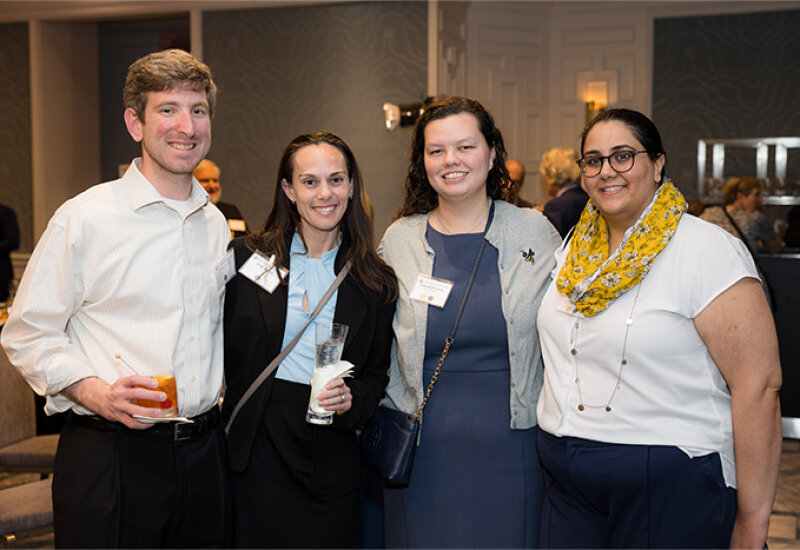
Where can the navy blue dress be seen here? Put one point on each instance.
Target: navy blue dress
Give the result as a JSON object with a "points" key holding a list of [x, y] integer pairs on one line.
{"points": [[475, 483]]}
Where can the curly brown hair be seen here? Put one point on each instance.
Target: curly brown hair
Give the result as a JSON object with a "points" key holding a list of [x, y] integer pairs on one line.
{"points": [[420, 197]]}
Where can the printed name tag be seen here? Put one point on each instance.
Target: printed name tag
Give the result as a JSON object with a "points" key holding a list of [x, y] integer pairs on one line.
{"points": [[236, 225], [431, 290], [226, 269], [261, 270]]}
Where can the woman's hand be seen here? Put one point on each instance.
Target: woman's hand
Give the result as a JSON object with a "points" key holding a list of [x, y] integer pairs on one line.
{"points": [[336, 397]]}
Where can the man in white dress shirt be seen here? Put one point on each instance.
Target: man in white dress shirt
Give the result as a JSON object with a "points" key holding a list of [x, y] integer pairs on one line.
{"points": [[126, 282]]}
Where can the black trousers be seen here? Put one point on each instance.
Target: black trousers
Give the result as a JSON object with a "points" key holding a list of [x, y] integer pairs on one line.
{"points": [[119, 488]]}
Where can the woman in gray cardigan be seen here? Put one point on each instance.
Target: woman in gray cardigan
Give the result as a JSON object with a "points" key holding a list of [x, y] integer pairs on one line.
{"points": [[476, 480]]}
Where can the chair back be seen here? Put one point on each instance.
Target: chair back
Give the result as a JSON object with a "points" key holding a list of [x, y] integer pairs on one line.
{"points": [[17, 408]]}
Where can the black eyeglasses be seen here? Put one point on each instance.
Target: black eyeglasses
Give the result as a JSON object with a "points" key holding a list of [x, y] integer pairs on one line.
{"points": [[621, 161]]}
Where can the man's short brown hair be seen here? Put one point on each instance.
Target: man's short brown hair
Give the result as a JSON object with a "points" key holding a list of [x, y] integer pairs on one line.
{"points": [[166, 70]]}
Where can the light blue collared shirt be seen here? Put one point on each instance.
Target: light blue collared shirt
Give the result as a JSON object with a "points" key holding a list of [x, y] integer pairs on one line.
{"points": [[312, 276]]}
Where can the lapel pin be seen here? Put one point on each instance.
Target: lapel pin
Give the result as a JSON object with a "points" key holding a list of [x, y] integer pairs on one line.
{"points": [[528, 256]]}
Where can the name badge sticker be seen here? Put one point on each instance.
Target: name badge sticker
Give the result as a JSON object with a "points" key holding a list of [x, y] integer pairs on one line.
{"points": [[261, 270], [431, 290], [226, 269]]}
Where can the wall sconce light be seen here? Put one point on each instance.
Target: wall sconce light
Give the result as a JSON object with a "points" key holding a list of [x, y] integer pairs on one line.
{"points": [[596, 98], [403, 115]]}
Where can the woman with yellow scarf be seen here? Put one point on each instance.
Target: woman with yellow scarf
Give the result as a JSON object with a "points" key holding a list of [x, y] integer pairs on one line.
{"points": [[659, 415]]}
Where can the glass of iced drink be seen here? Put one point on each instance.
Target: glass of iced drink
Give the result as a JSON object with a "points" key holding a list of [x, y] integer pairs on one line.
{"points": [[166, 383], [330, 342]]}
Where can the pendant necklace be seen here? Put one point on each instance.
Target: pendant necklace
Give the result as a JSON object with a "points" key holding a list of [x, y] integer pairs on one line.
{"points": [[622, 362]]}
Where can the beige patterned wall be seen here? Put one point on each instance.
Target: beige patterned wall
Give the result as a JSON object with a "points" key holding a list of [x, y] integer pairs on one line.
{"points": [[287, 71], [15, 128]]}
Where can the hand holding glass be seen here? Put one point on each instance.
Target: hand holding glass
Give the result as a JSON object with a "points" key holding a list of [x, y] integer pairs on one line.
{"points": [[329, 346], [168, 407]]}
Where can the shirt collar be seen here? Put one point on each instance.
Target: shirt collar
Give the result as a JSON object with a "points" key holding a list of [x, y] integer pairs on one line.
{"points": [[139, 192], [297, 247]]}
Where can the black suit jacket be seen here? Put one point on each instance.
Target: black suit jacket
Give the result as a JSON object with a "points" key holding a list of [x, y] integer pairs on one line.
{"points": [[9, 241], [232, 213], [254, 324], [565, 210]]}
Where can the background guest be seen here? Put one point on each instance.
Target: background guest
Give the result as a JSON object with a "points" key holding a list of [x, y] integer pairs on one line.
{"points": [[561, 176], [208, 173], [660, 421], [9, 242], [475, 481], [742, 199], [513, 188]]}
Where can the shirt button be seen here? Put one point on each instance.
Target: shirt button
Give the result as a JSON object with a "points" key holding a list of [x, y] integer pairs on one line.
{"points": [[188, 260], [191, 300], [194, 379], [513, 354], [191, 338]]}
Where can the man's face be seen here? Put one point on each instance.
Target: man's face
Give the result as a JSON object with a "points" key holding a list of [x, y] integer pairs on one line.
{"points": [[175, 133], [516, 172], [208, 176]]}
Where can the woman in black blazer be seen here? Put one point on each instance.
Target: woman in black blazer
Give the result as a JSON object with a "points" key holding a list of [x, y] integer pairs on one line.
{"points": [[296, 484]]}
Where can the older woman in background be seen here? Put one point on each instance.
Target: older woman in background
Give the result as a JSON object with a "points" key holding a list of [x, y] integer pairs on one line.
{"points": [[476, 480], [562, 179], [659, 415]]}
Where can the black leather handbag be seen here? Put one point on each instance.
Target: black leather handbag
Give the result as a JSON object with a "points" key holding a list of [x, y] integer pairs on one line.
{"points": [[388, 445]]}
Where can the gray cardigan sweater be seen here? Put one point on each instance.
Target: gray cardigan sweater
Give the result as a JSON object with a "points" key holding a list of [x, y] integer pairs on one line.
{"points": [[525, 242]]}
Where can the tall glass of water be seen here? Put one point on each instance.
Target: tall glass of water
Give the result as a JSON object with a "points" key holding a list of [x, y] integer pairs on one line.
{"points": [[330, 342]]}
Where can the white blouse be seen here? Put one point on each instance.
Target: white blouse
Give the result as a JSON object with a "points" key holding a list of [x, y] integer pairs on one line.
{"points": [[670, 391]]}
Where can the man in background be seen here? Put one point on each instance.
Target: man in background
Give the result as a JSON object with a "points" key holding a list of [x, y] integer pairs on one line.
{"points": [[207, 173], [127, 282], [9, 241], [516, 170]]}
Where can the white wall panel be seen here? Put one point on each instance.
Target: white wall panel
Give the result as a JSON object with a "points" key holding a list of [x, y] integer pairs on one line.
{"points": [[507, 56]]}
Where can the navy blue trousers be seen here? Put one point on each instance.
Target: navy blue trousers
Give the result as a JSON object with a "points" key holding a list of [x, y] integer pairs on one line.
{"points": [[602, 495]]}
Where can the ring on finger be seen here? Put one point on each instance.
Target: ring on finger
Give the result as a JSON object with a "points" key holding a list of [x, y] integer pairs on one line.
{"points": [[343, 398]]}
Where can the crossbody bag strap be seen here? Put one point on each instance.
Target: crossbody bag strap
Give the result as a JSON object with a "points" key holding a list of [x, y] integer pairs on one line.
{"points": [[449, 341], [289, 347]]}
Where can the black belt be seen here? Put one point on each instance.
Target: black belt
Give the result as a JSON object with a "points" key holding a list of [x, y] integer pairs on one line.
{"points": [[177, 431]]}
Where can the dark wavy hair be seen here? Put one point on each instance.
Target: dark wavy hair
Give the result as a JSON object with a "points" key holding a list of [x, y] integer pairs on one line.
{"points": [[357, 233], [420, 197], [640, 126]]}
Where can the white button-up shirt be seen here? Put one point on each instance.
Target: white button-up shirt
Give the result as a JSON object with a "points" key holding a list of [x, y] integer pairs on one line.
{"points": [[118, 272]]}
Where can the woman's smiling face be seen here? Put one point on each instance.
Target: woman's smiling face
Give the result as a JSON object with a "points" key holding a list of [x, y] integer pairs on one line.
{"points": [[321, 188], [620, 197], [457, 157]]}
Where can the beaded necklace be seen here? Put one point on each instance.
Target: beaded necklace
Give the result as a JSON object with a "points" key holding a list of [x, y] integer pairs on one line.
{"points": [[623, 359]]}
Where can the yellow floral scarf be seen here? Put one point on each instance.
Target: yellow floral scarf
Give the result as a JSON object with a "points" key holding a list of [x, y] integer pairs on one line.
{"points": [[591, 278]]}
